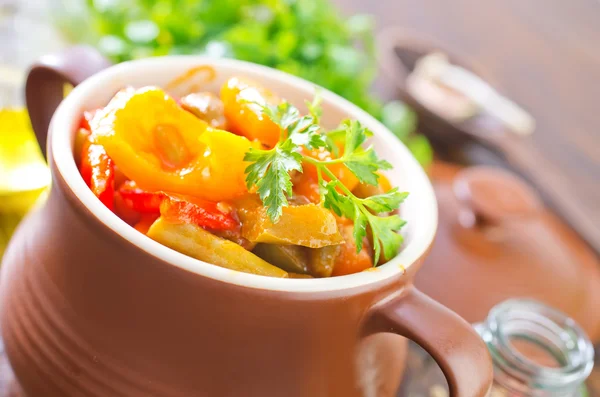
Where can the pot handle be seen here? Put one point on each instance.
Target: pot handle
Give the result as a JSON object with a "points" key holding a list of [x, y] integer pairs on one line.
{"points": [[450, 340], [44, 88]]}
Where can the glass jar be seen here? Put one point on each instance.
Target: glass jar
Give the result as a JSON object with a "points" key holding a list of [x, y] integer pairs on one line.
{"points": [[537, 351]]}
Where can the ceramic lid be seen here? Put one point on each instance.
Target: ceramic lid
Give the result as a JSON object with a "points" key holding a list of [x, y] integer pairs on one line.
{"points": [[497, 241]]}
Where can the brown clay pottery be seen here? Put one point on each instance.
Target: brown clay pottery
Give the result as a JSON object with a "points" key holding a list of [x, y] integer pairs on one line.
{"points": [[496, 241], [90, 307]]}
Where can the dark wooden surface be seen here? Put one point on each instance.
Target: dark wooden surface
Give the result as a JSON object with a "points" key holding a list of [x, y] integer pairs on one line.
{"points": [[545, 54]]}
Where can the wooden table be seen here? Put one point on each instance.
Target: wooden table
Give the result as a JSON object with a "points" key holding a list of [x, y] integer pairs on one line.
{"points": [[544, 54]]}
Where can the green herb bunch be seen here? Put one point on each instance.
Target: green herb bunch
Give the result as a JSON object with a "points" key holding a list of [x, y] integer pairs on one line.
{"points": [[308, 38], [269, 172]]}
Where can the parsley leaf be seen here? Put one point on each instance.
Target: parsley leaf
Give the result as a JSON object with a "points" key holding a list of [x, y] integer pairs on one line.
{"points": [[363, 163], [355, 135], [283, 114], [335, 139], [385, 202], [340, 204], [383, 228], [360, 231], [314, 107], [304, 132], [270, 170], [385, 235], [344, 206]]}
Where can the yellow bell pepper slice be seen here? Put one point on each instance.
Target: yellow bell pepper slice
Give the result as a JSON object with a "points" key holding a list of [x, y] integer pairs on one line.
{"points": [[161, 146]]}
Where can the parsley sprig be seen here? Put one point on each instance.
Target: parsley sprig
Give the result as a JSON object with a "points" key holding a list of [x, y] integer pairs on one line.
{"points": [[270, 169]]}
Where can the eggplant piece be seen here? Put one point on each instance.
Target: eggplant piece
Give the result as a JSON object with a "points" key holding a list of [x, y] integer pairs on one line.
{"points": [[322, 260], [196, 242], [291, 258]]}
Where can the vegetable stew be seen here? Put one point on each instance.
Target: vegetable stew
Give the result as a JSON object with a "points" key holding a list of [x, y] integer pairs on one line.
{"points": [[241, 179]]}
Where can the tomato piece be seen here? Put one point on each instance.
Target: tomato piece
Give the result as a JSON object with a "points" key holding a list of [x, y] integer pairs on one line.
{"points": [[348, 260], [207, 214], [97, 170], [246, 118], [306, 184], [141, 200]]}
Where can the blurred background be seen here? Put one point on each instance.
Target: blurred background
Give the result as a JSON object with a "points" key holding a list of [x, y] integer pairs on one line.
{"points": [[511, 84]]}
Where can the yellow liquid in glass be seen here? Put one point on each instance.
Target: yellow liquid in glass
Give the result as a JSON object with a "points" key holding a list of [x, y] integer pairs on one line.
{"points": [[24, 175]]}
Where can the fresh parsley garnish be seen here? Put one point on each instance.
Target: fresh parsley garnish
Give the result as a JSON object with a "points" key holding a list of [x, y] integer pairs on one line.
{"points": [[270, 172], [270, 169], [366, 213], [314, 107]]}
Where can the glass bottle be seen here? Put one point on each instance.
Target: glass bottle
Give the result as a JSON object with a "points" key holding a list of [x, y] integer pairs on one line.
{"points": [[537, 351], [25, 35]]}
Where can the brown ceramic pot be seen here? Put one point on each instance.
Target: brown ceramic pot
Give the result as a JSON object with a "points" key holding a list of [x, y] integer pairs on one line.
{"points": [[91, 307], [497, 241]]}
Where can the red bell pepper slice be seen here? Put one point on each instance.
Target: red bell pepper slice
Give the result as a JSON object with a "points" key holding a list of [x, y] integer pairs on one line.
{"points": [[206, 214], [141, 200], [98, 172], [179, 209]]}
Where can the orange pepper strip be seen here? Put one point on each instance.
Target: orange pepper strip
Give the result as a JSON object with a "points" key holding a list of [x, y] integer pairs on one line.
{"points": [[246, 118], [384, 183]]}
